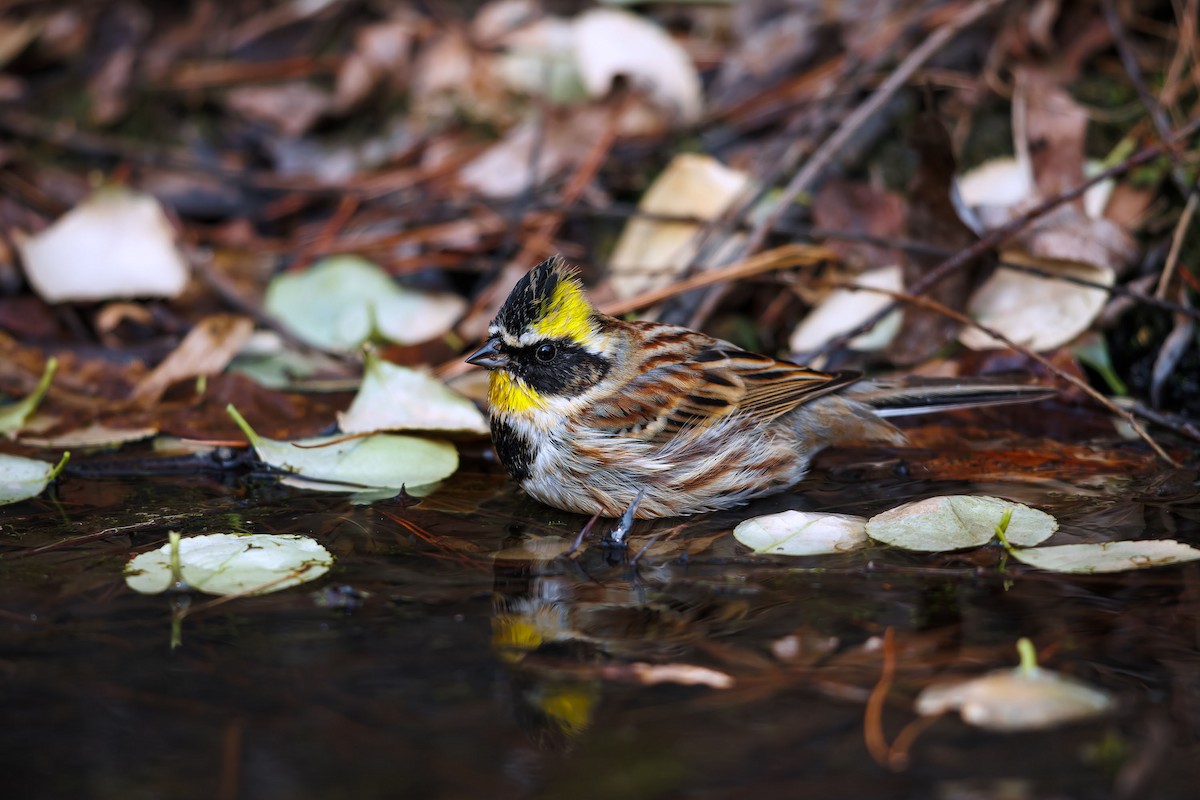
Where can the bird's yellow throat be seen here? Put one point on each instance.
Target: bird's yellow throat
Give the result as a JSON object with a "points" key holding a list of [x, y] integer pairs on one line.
{"points": [[510, 395]]}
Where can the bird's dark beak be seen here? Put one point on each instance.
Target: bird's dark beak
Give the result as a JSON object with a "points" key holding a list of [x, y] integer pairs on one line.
{"points": [[488, 356]]}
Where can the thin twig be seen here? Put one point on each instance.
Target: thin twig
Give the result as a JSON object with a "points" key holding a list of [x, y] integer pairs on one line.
{"points": [[906, 245], [933, 305], [1014, 226], [1153, 107], [1185, 220], [785, 257]]}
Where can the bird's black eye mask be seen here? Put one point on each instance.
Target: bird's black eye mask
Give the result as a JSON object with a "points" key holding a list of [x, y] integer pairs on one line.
{"points": [[556, 366]]}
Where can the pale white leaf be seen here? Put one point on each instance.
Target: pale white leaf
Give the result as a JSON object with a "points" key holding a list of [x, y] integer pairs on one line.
{"points": [[540, 59], [1040, 313], [22, 478], [650, 254], [611, 42], [367, 461], [682, 674], [395, 398], [117, 243], [802, 533], [845, 309], [1016, 700], [1108, 556], [228, 563], [953, 522]]}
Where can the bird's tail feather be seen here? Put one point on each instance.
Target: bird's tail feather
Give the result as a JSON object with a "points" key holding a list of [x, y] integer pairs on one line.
{"points": [[908, 396]]}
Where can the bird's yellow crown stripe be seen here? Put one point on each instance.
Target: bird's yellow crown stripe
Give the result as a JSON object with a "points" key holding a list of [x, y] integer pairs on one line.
{"points": [[567, 314]]}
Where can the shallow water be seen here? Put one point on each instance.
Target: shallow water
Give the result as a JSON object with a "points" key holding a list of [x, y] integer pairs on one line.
{"points": [[450, 654]]}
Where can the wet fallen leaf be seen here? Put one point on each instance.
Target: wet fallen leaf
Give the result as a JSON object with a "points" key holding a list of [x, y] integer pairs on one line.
{"points": [[954, 522], [802, 533], [94, 435], [381, 460], [344, 301], [229, 563], [395, 398], [117, 243], [23, 478], [14, 415], [1022, 699], [206, 350], [1107, 556], [850, 207]]}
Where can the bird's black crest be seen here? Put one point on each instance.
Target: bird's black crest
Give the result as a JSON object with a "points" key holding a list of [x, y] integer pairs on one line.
{"points": [[526, 303]]}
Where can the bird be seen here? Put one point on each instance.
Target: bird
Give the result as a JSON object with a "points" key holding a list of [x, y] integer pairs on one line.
{"points": [[594, 414]]}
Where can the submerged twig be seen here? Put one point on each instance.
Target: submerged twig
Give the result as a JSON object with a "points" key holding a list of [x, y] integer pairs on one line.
{"points": [[873, 734]]}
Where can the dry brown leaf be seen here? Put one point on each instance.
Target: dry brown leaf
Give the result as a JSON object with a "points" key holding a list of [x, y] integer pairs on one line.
{"points": [[1066, 234], [1055, 127], [15, 36], [851, 207], [290, 108], [381, 56], [122, 30], [206, 350], [504, 169], [933, 219]]}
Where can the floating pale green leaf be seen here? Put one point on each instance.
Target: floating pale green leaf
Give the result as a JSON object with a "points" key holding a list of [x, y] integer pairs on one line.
{"points": [[360, 496], [802, 533], [366, 461], [953, 522], [394, 398], [1021, 699], [23, 478], [344, 301], [228, 563], [14, 415], [1107, 556]]}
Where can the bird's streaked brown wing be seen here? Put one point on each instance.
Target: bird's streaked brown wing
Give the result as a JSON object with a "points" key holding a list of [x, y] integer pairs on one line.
{"points": [[692, 380], [770, 387]]}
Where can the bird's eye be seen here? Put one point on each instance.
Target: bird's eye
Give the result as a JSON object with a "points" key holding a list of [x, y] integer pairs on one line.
{"points": [[546, 352]]}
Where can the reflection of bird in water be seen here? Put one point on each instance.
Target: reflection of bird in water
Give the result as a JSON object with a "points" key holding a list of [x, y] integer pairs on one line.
{"points": [[559, 621]]}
